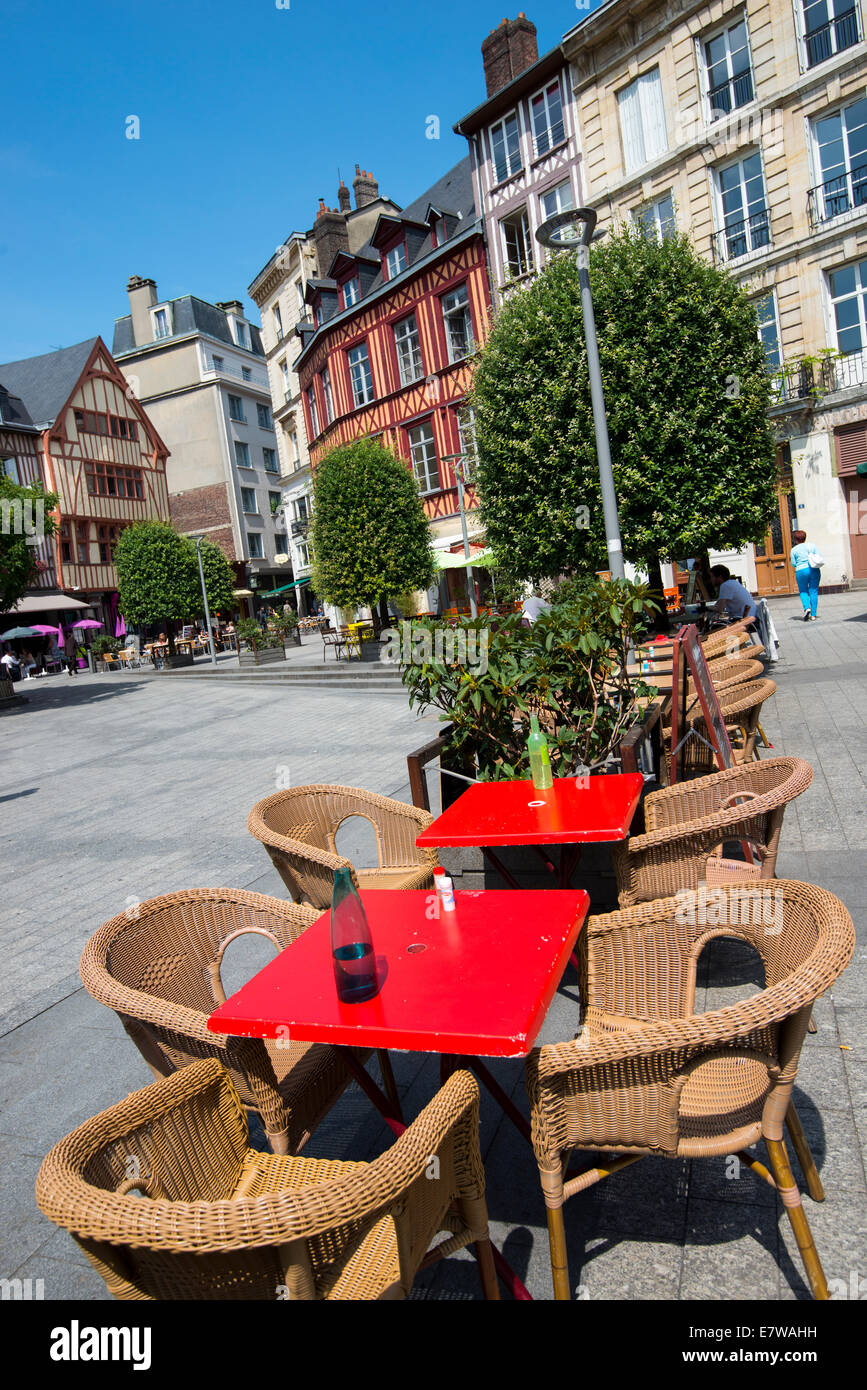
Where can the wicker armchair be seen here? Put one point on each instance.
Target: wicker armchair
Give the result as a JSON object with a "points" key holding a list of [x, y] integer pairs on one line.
{"points": [[158, 967], [741, 706], [298, 829], [687, 825], [731, 641], [725, 672], [648, 1075], [217, 1220]]}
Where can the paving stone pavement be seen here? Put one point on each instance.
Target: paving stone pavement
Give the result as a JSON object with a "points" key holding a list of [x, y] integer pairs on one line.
{"points": [[124, 787]]}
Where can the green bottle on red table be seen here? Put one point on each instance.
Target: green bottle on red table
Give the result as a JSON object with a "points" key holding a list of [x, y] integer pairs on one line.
{"points": [[351, 943], [540, 760]]}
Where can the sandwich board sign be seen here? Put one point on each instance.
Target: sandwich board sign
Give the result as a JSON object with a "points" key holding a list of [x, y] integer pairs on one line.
{"points": [[689, 660]]}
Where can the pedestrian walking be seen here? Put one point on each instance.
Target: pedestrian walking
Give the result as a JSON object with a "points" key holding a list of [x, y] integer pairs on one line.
{"points": [[807, 564], [70, 651]]}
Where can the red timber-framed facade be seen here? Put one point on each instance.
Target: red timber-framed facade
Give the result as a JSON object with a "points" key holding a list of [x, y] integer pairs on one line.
{"points": [[103, 458], [392, 356]]}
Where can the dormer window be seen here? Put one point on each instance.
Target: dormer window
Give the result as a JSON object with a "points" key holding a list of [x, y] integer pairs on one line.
{"points": [[350, 293], [319, 315], [162, 322], [242, 334], [396, 261]]}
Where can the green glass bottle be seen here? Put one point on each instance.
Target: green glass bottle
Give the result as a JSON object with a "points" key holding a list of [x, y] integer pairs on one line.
{"points": [[351, 943], [540, 762]]}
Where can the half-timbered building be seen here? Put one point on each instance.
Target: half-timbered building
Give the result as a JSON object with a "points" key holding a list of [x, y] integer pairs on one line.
{"points": [[81, 432], [389, 345]]}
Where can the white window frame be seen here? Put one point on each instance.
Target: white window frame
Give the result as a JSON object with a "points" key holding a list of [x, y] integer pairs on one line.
{"points": [[365, 396], [801, 31], [511, 170], [238, 419], [242, 333], [246, 494], [448, 313], [254, 541], [511, 220], [701, 42], [327, 395], [653, 207], [274, 459], [156, 311], [287, 385], [407, 346], [721, 238], [242, 454], [394, 268], [421, 460], [278, 321], [772, 295], [262, 410], [633, 132], [860, 294], [347, 300], [549, 124], [313, 409], [838, 109], [561, 206]]}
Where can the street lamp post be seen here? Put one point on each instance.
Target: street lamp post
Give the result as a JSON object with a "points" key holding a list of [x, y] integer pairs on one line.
{"points": [[460, 463], [547, 234], [198, 540]]}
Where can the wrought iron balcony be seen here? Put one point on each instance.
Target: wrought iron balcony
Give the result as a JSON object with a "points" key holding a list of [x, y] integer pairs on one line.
{"points": [[729, 95], [743, 236], [844, 193], [839, 33], [300, 528], [806, 382]]}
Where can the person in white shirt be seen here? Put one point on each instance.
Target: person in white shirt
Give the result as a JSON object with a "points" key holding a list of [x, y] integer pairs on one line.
{"points": [[10, 662], [534, 604], [733, 599]]}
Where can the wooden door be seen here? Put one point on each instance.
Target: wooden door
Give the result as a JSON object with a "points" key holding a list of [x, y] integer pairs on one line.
{"points": [[856, 511], [774, 574]]}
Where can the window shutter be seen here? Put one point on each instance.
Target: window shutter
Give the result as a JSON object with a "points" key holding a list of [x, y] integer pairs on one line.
{"points": [[851, 449], [629, 103], [652, 115]]}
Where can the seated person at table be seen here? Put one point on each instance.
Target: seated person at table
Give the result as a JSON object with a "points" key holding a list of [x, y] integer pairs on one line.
{"points": [[733, 599], [534, 605], [11, 669], [27, 662]]}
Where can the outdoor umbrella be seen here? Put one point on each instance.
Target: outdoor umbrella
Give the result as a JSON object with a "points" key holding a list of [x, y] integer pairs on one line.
{"points": [[45, 631], [120, 629], [17, 632], [87, 622]]}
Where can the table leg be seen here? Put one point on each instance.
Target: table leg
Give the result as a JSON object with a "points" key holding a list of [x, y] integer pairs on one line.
{"points": [[500, 868], [451, 1063], [388, 1081], [374, 1094], [570, 858]]}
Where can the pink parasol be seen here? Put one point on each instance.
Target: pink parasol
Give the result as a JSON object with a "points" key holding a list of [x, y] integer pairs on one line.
{"points": [[87, 622], [45, 631], [120, 629]]}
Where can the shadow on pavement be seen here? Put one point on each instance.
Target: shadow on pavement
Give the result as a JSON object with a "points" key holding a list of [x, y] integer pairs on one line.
{"points": [[61, 696]]}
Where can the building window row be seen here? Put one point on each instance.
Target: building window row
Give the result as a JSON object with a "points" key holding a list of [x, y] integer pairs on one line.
{"points": [[546, 128], [111, 480], [110, 426]]}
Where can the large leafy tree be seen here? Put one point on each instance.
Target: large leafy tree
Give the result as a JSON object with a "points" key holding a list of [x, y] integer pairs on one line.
{"points": [[25, 510], [687, 393], [158, 576], [370, 533]]}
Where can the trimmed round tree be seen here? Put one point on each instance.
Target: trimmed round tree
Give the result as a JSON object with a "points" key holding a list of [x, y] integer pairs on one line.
{"points": [[687, 393], [158, 576], [370, 533]]}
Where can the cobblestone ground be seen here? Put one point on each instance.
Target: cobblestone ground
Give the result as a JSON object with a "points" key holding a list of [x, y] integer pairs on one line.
{"points": [[119, 787]]}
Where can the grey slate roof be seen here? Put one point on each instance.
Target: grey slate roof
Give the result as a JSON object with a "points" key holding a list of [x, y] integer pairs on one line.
{"points": [[452, 193], [189, 315], [13, 411], [45, 383]]}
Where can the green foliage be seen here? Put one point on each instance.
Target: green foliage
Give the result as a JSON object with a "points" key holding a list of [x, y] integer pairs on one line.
{"points": [[158, 575], [687, 393], [370, 534], [284, 623], [103, 643], [18, 560], [569, 668]]}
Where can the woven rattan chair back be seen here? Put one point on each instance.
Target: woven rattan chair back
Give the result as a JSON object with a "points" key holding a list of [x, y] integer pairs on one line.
{"points": [[299, 826], [689, 828], [158, 966], [168, 1201], [741, 707], [648, 1075]]}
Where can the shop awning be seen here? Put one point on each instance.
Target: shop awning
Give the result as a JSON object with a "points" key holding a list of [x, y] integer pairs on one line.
{"points": [[272, 593], [482, 559], [47, 603], [242, 593]]}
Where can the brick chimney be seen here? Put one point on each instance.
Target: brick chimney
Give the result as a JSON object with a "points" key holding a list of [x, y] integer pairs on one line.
{"points": [[344, 197], [142, 297], [330, 235], [508, 51], [366, 188], [231, 306]]}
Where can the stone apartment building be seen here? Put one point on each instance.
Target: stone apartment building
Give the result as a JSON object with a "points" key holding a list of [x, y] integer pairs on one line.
{"points": [[524, 151], [744, 123], [199, 371]]}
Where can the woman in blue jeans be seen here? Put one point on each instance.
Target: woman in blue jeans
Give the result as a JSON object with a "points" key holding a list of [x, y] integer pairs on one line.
{"points": [[807, 575]]}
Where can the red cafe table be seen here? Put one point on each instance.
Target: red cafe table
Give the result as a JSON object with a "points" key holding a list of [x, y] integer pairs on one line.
{"points": [[466, 984], [574, 812]]}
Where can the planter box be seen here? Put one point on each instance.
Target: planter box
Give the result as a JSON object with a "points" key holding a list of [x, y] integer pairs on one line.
{"points": [[173, 663], [293, 638], [264, 657]]}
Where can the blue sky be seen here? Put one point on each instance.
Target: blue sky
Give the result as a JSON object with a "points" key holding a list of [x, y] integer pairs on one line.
{"points": [[246, 111]]}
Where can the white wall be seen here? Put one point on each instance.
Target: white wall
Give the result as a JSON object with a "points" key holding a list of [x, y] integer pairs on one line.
{"points": [[819, 499]]}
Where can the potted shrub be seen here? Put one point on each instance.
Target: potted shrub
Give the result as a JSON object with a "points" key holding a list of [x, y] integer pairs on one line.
{"points": [[102, 644], [262, 648], [286, 626]]}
